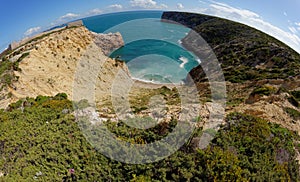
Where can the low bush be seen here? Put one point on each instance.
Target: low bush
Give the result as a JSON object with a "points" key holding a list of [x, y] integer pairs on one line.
{"points": [[40, 142], [293, 113]]}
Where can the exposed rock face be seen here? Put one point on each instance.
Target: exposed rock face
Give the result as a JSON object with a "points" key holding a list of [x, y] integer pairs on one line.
{"points": [[108, 42], [73, 60], [55, 60], [89, 113]]}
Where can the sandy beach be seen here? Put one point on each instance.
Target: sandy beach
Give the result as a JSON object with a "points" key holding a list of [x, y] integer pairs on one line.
{"points": [[151, 85]]}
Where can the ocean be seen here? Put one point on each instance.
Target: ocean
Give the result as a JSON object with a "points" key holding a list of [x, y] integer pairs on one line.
{"points": [[152, 50]]}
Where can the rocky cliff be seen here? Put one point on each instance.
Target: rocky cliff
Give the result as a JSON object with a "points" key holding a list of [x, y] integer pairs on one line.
{"points": [[41, 139], [50, 64], [108, 42]]}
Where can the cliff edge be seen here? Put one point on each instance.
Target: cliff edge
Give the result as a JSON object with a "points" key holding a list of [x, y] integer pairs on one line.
{"points": [[48, 64]]}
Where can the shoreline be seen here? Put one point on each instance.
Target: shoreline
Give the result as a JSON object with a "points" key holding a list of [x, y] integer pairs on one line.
{"points": [[151, 85]]}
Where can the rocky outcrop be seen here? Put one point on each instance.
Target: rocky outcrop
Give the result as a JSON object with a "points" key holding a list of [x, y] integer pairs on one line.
{"points": [[108, 42], [63, 59]]}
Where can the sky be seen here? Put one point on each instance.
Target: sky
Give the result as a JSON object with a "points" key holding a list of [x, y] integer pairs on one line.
{"points": [[20, 18]]}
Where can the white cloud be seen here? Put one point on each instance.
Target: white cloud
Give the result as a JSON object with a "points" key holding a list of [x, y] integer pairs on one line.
{"points": [[147, 4], [163, 6], [180, 6], [285, 14], [32, 31], [65, 18], [143, 3], [116, 6], [95, 11], [252, 19], [202, 2], [68, 16], [237, 13], [293, 30], [298, 25]]}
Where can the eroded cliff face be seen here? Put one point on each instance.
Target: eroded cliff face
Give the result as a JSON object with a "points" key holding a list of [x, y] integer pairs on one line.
{"points": [[54, 63], [74, 61], [108, 42]]}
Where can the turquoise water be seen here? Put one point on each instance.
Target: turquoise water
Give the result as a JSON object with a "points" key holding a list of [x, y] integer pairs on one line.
{"points": [[152, 48]]}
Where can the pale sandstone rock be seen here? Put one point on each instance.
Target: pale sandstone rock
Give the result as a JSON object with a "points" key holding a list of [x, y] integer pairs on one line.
{"points": [[108, 42], [59, 63]]}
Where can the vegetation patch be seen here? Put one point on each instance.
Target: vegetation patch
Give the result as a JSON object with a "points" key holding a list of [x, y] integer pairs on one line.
{"points": [[24, 55], [141, 102], [5, 65], [39, 141], [264, 90], [295, 98], [258, 92], [293, 113], [296, 94], [7, 68], [256, 145], [235, 102], [293, 101], [244, 52]]}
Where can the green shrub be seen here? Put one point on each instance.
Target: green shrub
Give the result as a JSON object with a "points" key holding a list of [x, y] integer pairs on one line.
{"points": [[235, 101], [296, 94], [44, 144], [40, 99], [259, 145], [293, 113], [24, 55], [264, 90], [82, 104], [4, 66], [16, 105], [7, 79], [293, 101], [60, 96]]}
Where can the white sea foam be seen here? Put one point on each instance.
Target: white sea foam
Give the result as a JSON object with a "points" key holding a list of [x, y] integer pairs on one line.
{"points": [[166, 79], [148, 81], [179, 42], [184, 61], [143, 80]]}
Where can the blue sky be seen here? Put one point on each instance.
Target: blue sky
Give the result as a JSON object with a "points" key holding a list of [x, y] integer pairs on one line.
{"points": [[20, 18]]}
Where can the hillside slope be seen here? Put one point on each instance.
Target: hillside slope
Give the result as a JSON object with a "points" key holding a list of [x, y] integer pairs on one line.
{"points": [[244, 52], [262, 74], [55, 63], [42, 138]]}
